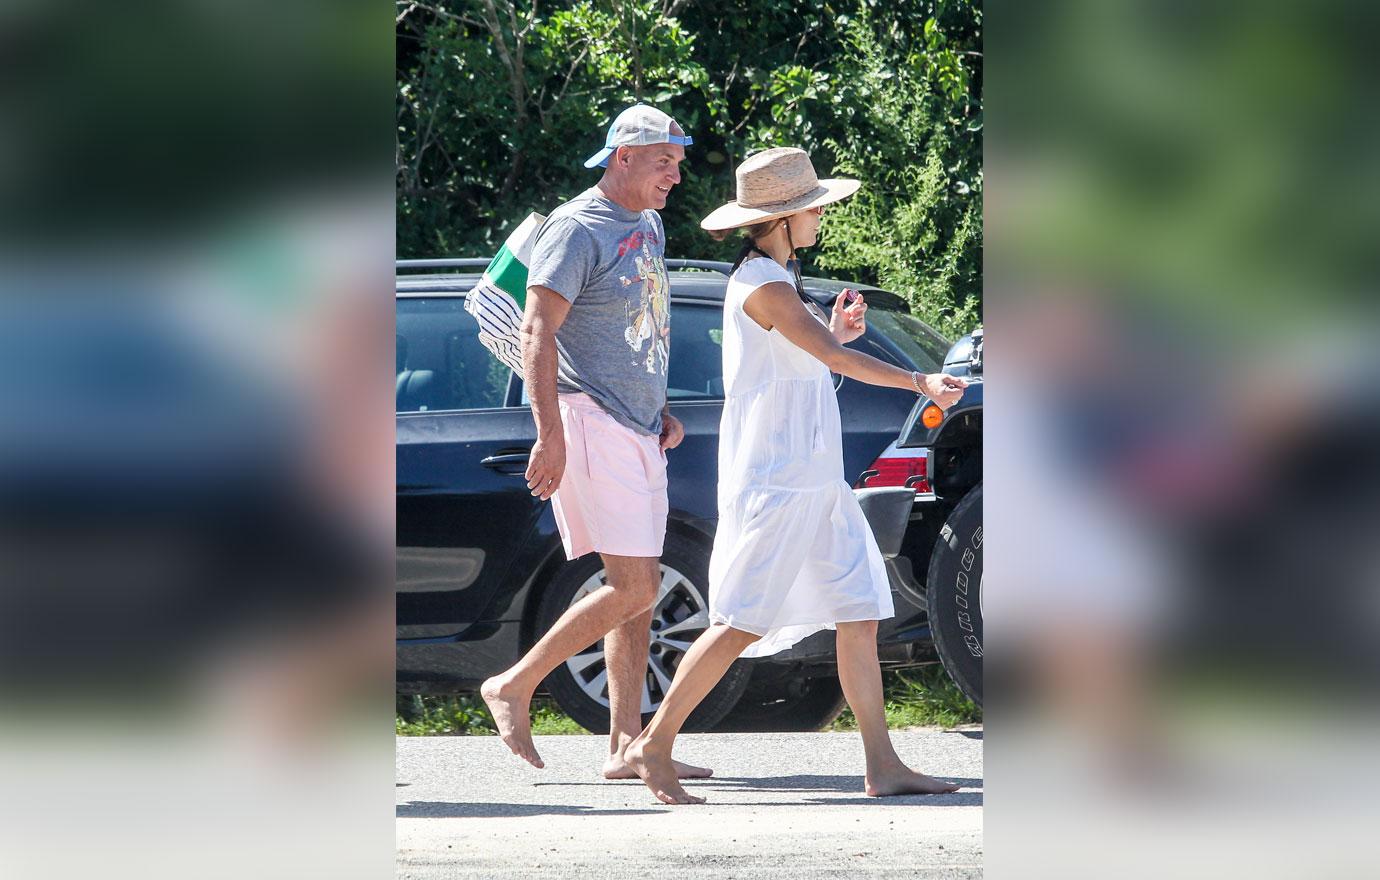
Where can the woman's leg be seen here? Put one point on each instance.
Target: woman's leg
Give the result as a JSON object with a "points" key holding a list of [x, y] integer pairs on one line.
{"points": [[700, 669], [861, 677]]}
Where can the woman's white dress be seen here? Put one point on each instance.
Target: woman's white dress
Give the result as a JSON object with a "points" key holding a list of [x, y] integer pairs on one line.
{"points": [[793, 553]]}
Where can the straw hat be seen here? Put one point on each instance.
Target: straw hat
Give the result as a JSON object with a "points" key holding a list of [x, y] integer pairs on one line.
{"points": [[775, 183]]}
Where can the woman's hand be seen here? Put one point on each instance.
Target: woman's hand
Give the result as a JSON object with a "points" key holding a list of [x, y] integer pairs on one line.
{"points": [[943, 389], [847, 321]]}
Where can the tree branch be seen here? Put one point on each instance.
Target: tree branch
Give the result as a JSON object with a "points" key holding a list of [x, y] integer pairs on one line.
{"points": [[436, 11]]}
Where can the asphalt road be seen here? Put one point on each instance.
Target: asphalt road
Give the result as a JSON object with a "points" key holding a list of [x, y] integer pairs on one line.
{"points": [[780, 805]]}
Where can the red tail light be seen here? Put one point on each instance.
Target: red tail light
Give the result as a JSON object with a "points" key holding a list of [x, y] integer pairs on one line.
{"points": [[896, 472]]}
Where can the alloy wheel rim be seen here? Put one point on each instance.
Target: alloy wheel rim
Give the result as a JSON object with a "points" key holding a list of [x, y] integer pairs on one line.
{"points": [[680, 615]]}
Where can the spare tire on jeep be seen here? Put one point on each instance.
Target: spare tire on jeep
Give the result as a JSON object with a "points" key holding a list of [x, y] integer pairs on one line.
{"points": [[954, 591]]}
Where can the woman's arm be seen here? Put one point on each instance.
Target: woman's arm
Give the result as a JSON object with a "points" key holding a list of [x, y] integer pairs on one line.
{"points": [[776, 305]]}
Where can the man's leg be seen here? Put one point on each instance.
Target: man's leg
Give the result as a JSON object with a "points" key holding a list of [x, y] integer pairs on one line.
{"points": [[625, 657], [509, 694], [625, 653], [861, 677]]}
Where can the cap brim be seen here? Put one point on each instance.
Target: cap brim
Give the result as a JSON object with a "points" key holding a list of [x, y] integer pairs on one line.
{"points": [[599, 159], [733, 215]]}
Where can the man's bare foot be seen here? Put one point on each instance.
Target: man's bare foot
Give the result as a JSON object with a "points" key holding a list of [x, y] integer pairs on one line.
{"points": [[903, 780], [511, 715], [658, 772], [616, 768]]}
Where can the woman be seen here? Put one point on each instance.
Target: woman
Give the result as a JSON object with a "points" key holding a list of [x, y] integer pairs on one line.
{"points": [[793, 553]]}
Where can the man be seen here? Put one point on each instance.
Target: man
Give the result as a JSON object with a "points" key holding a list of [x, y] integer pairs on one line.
{"points": [[595, 344]]}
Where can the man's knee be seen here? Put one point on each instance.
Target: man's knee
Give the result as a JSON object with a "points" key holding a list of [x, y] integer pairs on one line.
{"points": [[641, 595], [635, 582]]}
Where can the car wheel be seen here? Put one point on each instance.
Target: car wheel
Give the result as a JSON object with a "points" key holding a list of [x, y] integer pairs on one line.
{"points": [[580, 685], [797, 705], [954, 590]]}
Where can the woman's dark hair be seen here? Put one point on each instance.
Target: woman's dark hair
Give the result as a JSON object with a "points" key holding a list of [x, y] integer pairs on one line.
{"points": [[754, 232], [750, 236]]}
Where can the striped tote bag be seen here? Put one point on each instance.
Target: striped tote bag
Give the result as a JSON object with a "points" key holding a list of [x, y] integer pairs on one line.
{"points": [[497, 301]]}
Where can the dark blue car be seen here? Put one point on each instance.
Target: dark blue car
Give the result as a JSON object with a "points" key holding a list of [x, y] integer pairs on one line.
{"points": [[480, 570]]}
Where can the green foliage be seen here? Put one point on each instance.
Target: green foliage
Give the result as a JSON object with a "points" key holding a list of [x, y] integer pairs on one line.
{"points": [[922, 697], [468, 716], [916, 225], [430, 716], [498, 106]]}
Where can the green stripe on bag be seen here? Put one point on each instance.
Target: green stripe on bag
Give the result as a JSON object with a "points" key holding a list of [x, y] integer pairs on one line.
{"points": [[508, 269], [508, 274]]}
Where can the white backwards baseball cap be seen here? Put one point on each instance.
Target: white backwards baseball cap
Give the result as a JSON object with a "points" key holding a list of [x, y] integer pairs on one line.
{"points": [[637, 126]]}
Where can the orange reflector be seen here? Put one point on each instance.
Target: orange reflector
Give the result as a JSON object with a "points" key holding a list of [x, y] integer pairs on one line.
{"points": [[931, 416]]}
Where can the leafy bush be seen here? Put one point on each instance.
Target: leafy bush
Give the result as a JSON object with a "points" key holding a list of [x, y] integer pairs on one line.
{"points": [[499, 106]]}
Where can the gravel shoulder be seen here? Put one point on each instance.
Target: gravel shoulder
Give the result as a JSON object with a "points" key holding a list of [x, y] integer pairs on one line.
{"points": [[780, 805]]}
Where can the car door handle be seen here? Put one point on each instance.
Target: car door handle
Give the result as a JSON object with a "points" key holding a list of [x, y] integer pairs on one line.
{"points": [[505, 463]]}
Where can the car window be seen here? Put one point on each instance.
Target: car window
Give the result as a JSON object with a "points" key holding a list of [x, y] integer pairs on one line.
{"points": [[697, 352], [440, 363], [908, 333], [697, 360]]}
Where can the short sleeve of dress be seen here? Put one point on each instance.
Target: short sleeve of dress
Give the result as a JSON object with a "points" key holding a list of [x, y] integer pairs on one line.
{"points": [[754, 273]]}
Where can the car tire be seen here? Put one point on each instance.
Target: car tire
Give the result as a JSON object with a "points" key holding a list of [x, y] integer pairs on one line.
{"points": [[681, 614], [954, 589], [773, 706]]}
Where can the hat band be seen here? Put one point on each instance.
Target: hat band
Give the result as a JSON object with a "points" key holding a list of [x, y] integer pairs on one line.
{"points": [[768, 206]]}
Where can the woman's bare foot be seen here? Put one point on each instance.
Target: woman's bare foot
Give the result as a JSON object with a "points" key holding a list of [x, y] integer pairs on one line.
{"points": [[617, 768], [658, 771], [511, 711], [903, 780]]}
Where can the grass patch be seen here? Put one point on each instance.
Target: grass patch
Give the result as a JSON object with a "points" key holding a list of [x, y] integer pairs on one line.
{"points": [[921, 697], [443, 716], [468, 716], [550, 720]]}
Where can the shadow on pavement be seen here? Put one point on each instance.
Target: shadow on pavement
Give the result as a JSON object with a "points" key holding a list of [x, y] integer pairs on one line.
{"points": [[446, 810], [803, 782], [954, 799], [806, 782]]}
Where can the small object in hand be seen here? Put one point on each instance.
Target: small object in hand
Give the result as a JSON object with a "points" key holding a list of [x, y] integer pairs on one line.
{"points": [[851, 294]]}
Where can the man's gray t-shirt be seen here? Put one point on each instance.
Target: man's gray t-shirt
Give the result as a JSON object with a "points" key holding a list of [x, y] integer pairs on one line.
{"points": [[615, 342]]}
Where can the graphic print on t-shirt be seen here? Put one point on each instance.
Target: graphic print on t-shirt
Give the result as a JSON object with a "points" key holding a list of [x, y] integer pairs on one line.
{"points": [[648, 319]]}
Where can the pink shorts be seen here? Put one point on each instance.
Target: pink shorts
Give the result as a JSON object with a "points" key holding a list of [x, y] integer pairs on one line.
{"points": [[612, 497]]}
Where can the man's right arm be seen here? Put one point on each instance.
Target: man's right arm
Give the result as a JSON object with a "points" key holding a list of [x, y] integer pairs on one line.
{"points": [[546, 311]]}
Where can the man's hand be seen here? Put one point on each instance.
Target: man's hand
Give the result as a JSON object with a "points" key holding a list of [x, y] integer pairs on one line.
{"points": [[847, 321], [546, 466], [943, 389], [672, 431]]}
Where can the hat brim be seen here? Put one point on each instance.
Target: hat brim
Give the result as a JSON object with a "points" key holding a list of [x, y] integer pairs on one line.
{"points": [[734, 215], [600, 159]]}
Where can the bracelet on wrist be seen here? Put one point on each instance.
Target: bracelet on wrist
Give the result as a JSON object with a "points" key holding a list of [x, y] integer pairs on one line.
{"points": [[915, 380]]}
